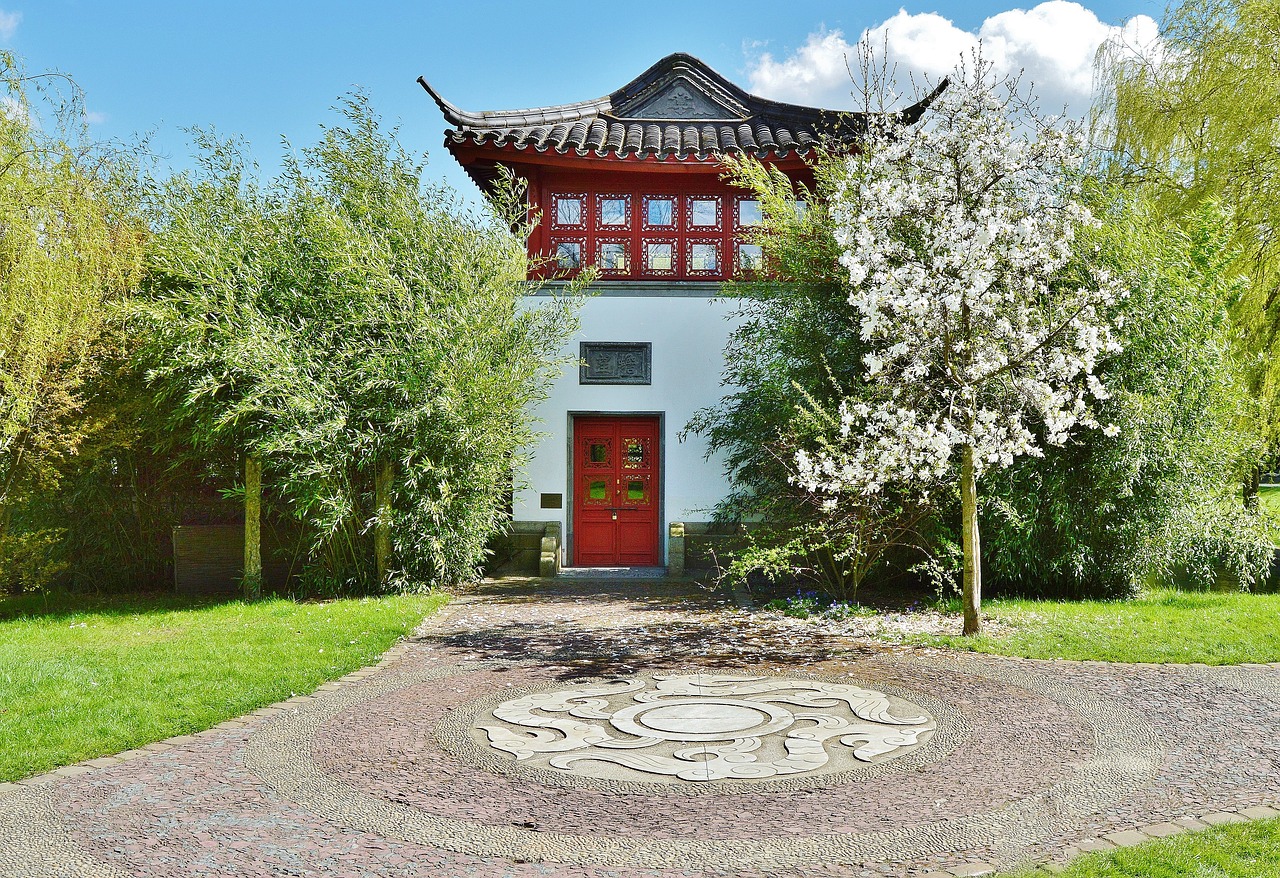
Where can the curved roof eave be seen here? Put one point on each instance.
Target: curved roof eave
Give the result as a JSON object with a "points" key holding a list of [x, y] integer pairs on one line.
{"points": [[460, 118], [712, 155], [629, 122]]}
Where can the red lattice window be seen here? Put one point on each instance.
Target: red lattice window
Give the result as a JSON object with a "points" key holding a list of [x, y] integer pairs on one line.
{"points": [[660, 212], [703, 257], [747, 213], [599, 453], [634, 235], [661, 256], [569, 210], [750, 258], [613, 256], [569, 255], [702, 213], [613, 212]]}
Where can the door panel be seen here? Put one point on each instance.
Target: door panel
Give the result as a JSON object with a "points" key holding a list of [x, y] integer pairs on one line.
{"points": [[615, 501]]}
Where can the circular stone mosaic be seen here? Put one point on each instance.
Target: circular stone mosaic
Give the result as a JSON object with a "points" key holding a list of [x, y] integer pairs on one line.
{"points": [[704, 727]]}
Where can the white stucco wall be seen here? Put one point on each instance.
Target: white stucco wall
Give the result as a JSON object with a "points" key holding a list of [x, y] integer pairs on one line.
{"points": [[688, 334]]}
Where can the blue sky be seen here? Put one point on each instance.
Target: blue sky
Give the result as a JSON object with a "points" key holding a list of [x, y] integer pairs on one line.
{"points": [[266, 69]]}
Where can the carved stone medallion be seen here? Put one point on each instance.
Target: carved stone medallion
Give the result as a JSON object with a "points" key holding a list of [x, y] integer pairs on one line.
{"points": [[705, 727]]}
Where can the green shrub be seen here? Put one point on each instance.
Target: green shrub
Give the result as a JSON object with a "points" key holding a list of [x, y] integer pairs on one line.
{"points": [[342, 320]]}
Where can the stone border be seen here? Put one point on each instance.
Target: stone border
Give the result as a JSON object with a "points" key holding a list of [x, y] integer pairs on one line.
{"points": [[453, 734], [1128, 838]]}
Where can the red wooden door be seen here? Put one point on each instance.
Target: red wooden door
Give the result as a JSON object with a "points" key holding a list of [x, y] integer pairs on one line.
{"points": [[615, 492]]}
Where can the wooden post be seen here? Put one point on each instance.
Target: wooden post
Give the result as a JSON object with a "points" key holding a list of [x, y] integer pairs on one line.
{"points": [[972, 591], [252, 527], [382, 526]]}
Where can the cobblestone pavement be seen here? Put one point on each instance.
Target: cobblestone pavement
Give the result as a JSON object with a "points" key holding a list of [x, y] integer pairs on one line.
{"points": [[381, 774]]}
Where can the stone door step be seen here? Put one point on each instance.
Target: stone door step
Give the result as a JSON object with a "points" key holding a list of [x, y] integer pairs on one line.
{"points": [[613, 572]]}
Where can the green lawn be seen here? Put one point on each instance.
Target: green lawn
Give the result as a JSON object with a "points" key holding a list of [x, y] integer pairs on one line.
{"points": [[1270, 499], [79, 680], [1244, 850], [1160, 626]]}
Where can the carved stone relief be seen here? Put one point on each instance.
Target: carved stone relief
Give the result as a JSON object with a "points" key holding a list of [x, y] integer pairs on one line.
{"points": [[705, 727], [679, 100], [615, 363]]}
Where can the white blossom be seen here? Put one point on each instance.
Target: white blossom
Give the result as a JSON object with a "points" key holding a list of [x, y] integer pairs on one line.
{"points": [[956, 237]]}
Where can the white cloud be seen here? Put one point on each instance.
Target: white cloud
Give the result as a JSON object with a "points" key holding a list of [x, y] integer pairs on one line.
{"points": [[9, 24], [93, 117], [1054, 43], [11, 108]]}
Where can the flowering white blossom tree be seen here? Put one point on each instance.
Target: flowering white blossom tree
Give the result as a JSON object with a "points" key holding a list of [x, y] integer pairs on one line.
{"points": [[984, 326]]}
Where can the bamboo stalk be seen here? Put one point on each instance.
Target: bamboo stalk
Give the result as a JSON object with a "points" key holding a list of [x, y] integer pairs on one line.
{"points": [[252, 581]]}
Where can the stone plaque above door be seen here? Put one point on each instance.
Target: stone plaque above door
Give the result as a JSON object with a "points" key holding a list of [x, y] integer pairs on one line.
{"points": [[609, 362]]}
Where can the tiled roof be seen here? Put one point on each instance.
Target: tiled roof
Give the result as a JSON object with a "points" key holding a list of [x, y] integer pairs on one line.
{"points": [[678, 108]]}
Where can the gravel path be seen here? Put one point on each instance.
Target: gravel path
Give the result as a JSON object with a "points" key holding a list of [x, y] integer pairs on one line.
{"points": [[383, 774]]}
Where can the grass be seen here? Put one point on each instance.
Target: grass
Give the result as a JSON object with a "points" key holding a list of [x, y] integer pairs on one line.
{"points": [[1269, 498], [83, 679], [1269, 501], [1243, 850], [1217, 628]]}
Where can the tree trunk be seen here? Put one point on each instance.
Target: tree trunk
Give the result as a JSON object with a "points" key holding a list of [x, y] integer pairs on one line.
{"points": [[1251, 483], [252, 581], [972, 594], [382, 527]]}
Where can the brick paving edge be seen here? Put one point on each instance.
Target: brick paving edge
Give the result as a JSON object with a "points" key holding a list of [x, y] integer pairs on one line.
{"points": [[1126, 838]]}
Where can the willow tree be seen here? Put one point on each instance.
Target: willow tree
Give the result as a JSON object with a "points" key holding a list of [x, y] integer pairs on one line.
{"points": [[70, 244], [1194, 120]]}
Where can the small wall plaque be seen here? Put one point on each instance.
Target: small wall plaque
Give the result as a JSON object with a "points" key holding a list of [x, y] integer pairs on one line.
{"points": [[552, 501], [609, 362]]}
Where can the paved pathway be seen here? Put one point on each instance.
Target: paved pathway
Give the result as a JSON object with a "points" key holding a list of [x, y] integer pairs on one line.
{"points": [[386, 773]]}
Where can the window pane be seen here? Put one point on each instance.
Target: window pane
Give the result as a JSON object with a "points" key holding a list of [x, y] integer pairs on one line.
{"points": [[802, 207], [702, 257], [657, 257], [634, 456], [599, 452], [660, 211], [702, 212], [596, 490], [613, 211], [613, 256], [569, 255], [750, 257], [749, 212], [635, 491], [569, 211]]}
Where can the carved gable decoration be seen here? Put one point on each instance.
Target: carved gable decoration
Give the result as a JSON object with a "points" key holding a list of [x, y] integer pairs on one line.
{"points": [[681, 99]]}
